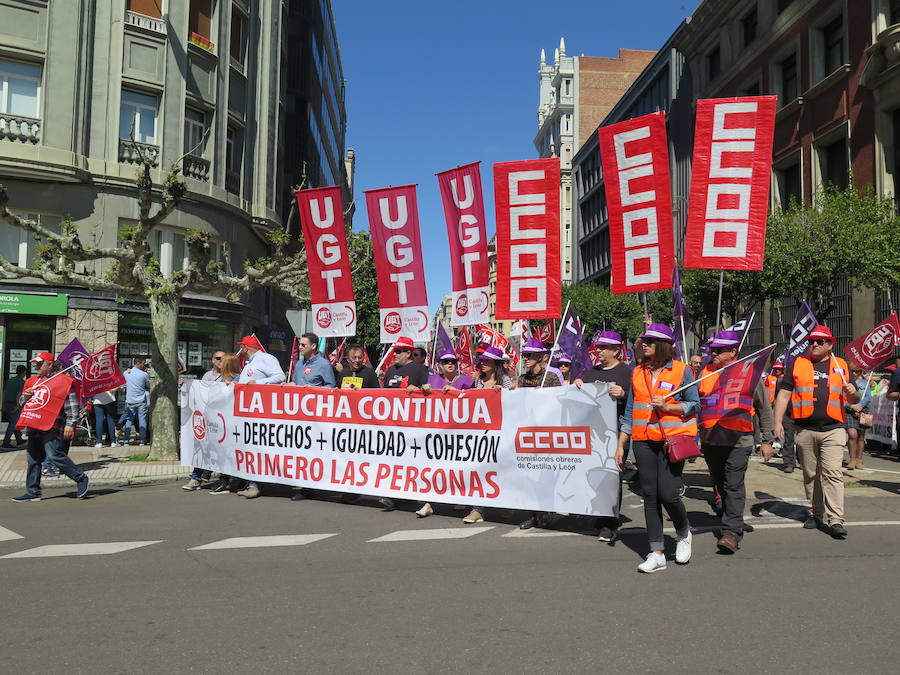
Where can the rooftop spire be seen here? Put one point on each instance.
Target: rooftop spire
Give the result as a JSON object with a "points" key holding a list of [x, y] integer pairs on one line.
{"points": [[543, 57], [562, 46]]}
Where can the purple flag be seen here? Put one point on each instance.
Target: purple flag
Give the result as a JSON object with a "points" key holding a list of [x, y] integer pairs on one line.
{"points": [[442, 342], [798, 341], [72, 355], [742, 326], [571, 342], [732, 395], [681, 317]]}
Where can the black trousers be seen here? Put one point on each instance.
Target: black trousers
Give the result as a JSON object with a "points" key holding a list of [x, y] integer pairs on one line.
{"points": [[661, 485], [727, 467]]}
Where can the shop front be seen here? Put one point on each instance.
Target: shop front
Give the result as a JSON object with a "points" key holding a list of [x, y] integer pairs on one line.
{"points": [[27, 327], [198, 340]]}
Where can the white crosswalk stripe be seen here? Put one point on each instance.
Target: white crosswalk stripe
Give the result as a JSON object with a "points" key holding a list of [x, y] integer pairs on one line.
{"points": [[536, 533], [424, 535], [259, 542], [59, 550], [8, 535]]}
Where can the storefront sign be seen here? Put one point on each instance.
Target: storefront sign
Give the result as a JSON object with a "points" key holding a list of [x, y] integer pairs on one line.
{"points": [[56, 304]]}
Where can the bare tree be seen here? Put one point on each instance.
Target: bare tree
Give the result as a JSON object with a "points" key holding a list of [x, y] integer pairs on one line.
{"points": [[135, 272]]}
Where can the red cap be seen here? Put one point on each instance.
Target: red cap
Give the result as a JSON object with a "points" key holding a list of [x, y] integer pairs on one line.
{"points": [[404, 343], [823, 332], [250, 341], [778, 364], [43, 356]]}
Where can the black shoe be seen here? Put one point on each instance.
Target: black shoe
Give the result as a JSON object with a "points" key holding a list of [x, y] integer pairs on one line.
{"points": [[811, 523], [26, 498], [747, 528], [82, 487], [298, 497], [527, 524], [220, 488], [838, 531], [606, 534]]}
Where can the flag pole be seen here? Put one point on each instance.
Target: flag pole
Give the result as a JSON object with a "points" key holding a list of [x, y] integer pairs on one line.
{"points": [[719, 304], [834, 363], [746, 330], [716, 372], [555, 343]]}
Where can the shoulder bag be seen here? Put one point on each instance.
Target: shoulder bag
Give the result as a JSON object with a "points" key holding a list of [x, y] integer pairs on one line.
{"points": [[679, 447]]}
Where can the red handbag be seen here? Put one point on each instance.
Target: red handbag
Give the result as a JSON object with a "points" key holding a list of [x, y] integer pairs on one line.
{"points": [[679, 447]]}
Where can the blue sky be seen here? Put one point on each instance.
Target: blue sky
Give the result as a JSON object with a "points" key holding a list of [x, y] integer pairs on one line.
{"points": [[432, 85]]}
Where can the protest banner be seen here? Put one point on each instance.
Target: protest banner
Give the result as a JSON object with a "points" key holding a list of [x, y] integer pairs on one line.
{"points": [[729, 202], [330, 283], [884, 427], [464, 211], [635, 159], [529, 281], [540, 449], [399, 267]]}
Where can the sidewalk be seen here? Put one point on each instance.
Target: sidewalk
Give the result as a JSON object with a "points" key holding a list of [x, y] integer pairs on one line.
{"points": [[111, 466], [105, 466]]}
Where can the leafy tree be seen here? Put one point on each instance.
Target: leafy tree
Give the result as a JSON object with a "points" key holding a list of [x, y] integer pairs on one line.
{"points": [[135, 272], [599, 308]]}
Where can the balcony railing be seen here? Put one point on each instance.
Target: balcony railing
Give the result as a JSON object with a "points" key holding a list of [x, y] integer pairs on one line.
{"points": [[196, 167], [232, 181], [129, 154], [19, 128], [144, 21]]}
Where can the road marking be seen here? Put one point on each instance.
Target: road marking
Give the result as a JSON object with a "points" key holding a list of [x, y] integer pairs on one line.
{"points": [[423, 535], [259, 542], [58, 550], [536, 532], [7, 535]]}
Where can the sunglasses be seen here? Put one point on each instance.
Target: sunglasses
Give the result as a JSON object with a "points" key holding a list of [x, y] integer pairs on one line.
{"points": [[818, 341], [217, 358], [403, 351], [719, 350]]}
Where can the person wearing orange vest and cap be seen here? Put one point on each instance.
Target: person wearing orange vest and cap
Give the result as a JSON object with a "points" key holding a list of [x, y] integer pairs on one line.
{"points": [[817, 388], [788, 450], [727, 438], [652, 415]]}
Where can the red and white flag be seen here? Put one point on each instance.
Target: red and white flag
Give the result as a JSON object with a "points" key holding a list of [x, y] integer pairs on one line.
{"points": [[101, 372], [546, 333], [526, 197], [463, 349], [464, 212], [726, 225], [338, 354], [394, 226], [328, 261], [635, 159], [876, 346], [42, 409]]}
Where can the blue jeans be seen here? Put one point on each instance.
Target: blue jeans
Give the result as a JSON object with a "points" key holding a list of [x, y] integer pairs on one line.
{"points": [[47, 445], [105, 421], [12, 416], [136, 413]]}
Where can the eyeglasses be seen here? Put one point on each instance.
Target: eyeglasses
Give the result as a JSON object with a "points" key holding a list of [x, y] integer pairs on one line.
{"points": [[719, 350], [217, 358], [817, 341]]}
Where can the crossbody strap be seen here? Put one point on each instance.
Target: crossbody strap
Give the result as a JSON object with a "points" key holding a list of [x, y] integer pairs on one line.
{"points": [[652, 409]]}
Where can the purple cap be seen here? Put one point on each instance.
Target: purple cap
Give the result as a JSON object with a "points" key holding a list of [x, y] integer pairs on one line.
{"points": [[448, 355], [563, 358], [492, 354], [725, 338], [659, 331], [608, 338], [533, 346]]}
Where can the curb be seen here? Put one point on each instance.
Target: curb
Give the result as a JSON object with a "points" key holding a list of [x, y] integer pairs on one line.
{"points": [[123, 481]]}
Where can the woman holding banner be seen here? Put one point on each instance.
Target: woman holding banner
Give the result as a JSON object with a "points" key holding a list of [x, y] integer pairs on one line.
{"points": [[653, 414]]}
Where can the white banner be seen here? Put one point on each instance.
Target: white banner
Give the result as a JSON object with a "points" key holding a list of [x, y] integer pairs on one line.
{"points": [[539, 449], [884, 428]]}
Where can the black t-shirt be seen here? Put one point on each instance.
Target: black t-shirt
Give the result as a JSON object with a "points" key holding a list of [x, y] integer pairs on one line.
{"points": [[619, 374], [369, 378], [894, 385], [819, 420], [400, 377]]}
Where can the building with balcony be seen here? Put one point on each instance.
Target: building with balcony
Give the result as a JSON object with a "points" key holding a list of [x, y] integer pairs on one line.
{"points": [[86, 86], [576, 92]]}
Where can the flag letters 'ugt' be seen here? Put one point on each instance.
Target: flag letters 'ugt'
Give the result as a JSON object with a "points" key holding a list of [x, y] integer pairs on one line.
{"points": [[394, 225], [330, 284], [526, 196], [635, 159]]}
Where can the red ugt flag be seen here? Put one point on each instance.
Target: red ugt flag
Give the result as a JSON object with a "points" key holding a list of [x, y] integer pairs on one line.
{"points": [[876, 346], [101, 372], [42, 409]]}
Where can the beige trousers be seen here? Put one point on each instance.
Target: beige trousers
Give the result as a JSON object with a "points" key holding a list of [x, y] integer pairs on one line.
{"points": [[820, 454]]}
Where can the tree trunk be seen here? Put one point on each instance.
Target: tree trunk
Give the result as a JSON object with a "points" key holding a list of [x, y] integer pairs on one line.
{"points": [[164, 412]]}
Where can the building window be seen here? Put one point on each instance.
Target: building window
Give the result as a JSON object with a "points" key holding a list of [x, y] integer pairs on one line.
{"points": [[141, 110], [895, 12], [783, 5], [749, 25], [152, 8], [833, 42], [20, 247], [833, 164], [194, 130], [895, 119], [20, 89], [238, 37], [789, 84], [567, 85], [789, 185], [714, 63], [752, 90], [199, 18]]}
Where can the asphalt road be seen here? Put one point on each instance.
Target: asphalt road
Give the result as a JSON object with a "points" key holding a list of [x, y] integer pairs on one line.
{"points": [[791, 600]]}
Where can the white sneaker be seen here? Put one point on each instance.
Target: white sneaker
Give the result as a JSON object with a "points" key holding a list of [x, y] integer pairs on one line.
{"points": [[425, 511], [683, 550], [98, 445], [115, 445], [653, 563]]}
